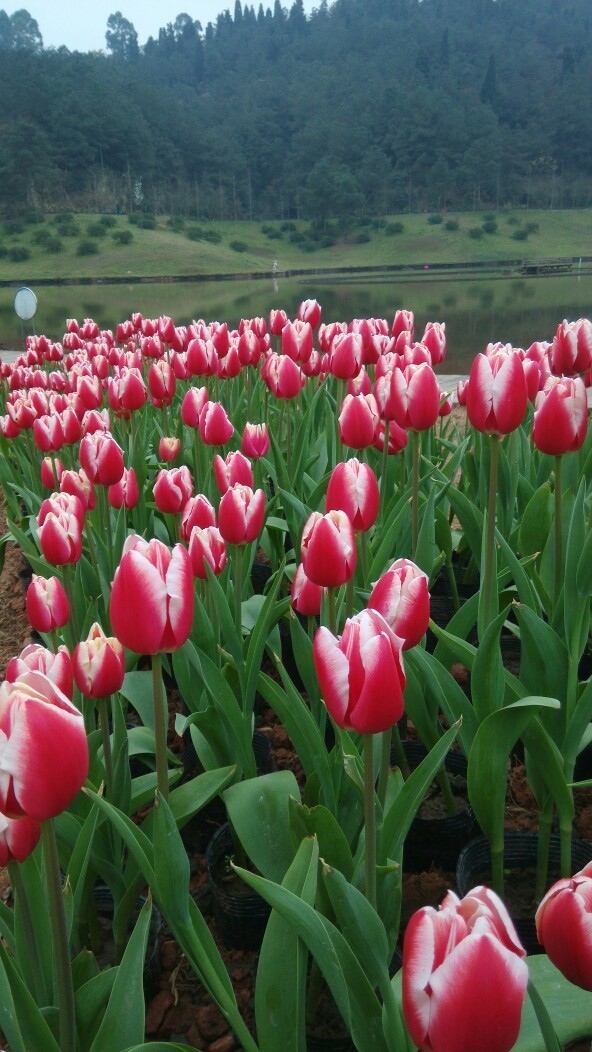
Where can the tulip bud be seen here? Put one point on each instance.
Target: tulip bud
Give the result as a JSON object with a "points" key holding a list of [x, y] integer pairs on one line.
{"points": [[37, 658], [255, 441], [563, 926], [99, 664], [306, 596], [152, 599], [561, 415], [18, 838], [206, 546], [328, 548], [101, 458], [402, 597], [353, 488], [241, 514], [198, 511], [125, 492], [215, 428], [46, 604], [236, 469], [172, 489], [361, 674]]}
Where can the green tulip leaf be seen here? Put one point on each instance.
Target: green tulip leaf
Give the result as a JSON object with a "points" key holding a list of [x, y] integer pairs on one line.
{"points": [[20, 1019], [91, 999], [258, 811], [569, 1007], [450, 696], [123, 1021], [320, 822], [351, 989], [536, 522], [280, 993], [487, 676]]}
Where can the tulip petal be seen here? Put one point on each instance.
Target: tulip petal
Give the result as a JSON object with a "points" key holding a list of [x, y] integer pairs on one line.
{"points": [[332, 670], [138, 607]]}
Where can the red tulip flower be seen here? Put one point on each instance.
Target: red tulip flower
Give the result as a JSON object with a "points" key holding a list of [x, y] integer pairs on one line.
{"points": [[18, 838], [215, 428], [47, 604], [169, 448], [564, 926], [282, 375], [241, 514], [403, 322], [191, 406], [255, 441], [353, 488], [496, 394], [44, 760], [571, 350], [206, 547], [358, 421], [162, 383], [401, 595], [99, 664], [464, 975], [126, 492], [361, 674], [234, 470], [434, 338], [78, 485], [297, 340], [415, 397], [310, 311], [172, 489], [306, 596], [151, 606], [561, 415], [101, 458], [328, 548], [48, 434], [277, 320], [346, 355], [198, 511], [59, 529], [37, 658], [48, 478]]}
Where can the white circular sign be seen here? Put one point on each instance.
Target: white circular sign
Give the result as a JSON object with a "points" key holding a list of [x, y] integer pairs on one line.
{"points": [[25, 304]]}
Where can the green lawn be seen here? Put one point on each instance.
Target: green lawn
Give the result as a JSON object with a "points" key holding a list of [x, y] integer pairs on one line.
{"points": [[162, 251]]}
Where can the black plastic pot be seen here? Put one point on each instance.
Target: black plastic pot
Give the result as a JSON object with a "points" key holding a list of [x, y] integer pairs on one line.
{"points": [[520, 855], [437, 841], [240, 914], [152, 965]]}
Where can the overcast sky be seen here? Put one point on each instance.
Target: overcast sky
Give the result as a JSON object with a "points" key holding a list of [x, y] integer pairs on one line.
{"points": [[80, 25]]}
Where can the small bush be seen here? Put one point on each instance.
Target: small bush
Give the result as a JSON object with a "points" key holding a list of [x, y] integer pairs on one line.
{"points": [[68, 229], [274, 234], [18, 253], [451, 224], [12, 227], [213, 237], [476, 232], [394, 228], [33, 217], [521, 234], [513, 221], [490, 226], [3, 251], [53, 245], [176, 223], [195, 233], [42, 236], [327, 241], [87, 247], [362, 238], [239, 246], [147, 221], [489, 216], [122, 237], [134, 218], [288, 226], [532, 227], [95, 230], [435, 219], [297, 237], [107, 221]]}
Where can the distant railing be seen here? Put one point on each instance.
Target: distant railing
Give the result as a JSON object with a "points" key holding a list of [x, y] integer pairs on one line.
{"points": [[546, 266]]}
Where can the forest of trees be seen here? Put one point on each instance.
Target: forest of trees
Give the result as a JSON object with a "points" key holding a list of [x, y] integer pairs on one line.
{"points": [[365, 107]]}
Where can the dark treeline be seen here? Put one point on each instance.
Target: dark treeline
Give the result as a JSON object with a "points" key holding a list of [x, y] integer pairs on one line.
{"points": [[363, 107]]}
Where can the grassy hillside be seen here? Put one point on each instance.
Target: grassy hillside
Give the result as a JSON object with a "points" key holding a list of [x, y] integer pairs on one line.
{"points": [[63, 247]]}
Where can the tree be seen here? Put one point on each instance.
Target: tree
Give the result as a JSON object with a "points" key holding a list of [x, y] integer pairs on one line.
{"points": [[121, 38], [25, 32]]}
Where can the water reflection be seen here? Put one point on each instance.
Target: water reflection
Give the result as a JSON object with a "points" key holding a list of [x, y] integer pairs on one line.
{"points": [[476, 310]]}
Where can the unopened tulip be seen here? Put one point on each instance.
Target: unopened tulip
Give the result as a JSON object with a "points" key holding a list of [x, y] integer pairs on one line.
{"points": [[561, 415], [46, 604], [59, 533], [215, 428], [126, 492], [235, 469], [169, 448], [152, 596], [358, 421], [277, 320], [241, 514], [192, 405], [101, 458], [310, 311], [416, 397], [77, 484], [434, 338], [496, 394], [282, 375], [361, 674], [464, 975], [306, 596], [44, 759], [255, 441], [401, 595], [35, 657], [353, 488], [571, 350], [403, 322], [564, 926], [297, 340], [98, 664], [51, 469], [346, 355], [198, 511], [328, 548], [206, 547], [18, 838], [161, 383], [172, 489]]}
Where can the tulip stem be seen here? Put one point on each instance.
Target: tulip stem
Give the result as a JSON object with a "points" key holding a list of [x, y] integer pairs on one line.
{"points": [[238, 590], [543, 1019], [369, 821], [415, 492], [558, 535], [385, 764], [61, 952], [384, 471], [102, 705], [489, 584], [160, 745]]}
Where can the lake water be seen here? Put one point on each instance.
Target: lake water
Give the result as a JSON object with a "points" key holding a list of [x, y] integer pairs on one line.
{"points": [[515, 310]]}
